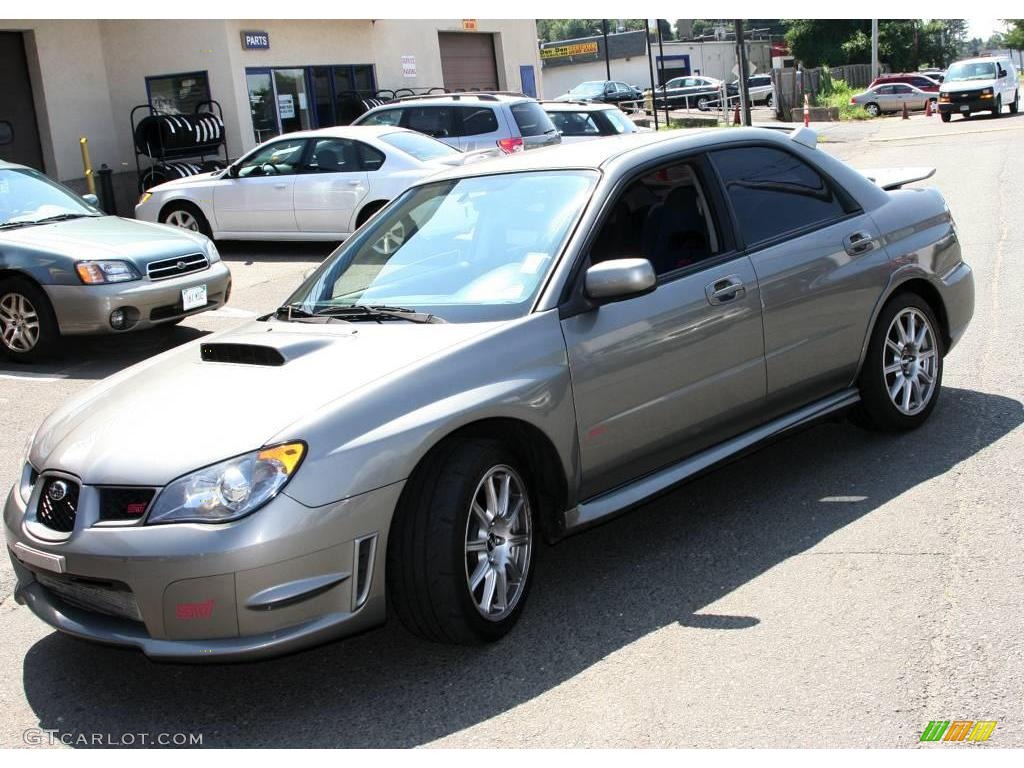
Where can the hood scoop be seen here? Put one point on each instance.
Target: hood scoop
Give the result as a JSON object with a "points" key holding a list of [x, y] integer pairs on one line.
{"points": [[242, 354]]}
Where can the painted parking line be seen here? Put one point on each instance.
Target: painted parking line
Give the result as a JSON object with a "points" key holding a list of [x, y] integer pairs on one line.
{"points": [[29, 376]]}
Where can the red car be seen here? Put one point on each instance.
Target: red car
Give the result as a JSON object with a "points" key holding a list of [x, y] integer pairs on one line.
{"points": [[915, 79]]}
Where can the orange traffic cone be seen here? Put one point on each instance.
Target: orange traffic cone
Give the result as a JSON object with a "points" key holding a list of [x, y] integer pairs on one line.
{"points": [[736, 115], [906, 114], [928, 108]]}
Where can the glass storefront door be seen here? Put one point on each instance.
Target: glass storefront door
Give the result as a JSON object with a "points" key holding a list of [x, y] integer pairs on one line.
{"points": [[278, 101]]}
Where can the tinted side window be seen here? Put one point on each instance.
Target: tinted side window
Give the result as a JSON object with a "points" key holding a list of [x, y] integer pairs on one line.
{"points": [[386, 117], [438, 122], [476, 120], [663, 217], [773, 192], [531, 119], [370, 158], [575, 124]]}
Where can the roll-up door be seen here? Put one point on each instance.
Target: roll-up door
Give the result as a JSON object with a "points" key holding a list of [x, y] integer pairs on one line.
{"points": [[467, 61]]}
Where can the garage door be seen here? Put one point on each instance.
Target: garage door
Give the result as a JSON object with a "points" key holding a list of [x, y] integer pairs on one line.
{"points": [[467, 61], [20, 140]]}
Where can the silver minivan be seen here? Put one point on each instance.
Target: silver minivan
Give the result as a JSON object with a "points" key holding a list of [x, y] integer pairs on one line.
{"points": [[471, 121]]}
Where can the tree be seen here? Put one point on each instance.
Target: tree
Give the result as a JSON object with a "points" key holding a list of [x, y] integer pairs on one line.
{"points": [[904, 44], [1014, 37], [825, 41], [550, 30]]}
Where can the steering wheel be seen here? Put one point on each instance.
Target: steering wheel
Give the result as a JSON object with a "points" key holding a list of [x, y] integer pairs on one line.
{"points": [[277, 170]]}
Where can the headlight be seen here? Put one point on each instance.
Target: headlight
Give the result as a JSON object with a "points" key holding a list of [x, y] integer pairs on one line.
{"points": [[144, 197], [100, 272], [986, 93], [212, 253], [229, 490]]}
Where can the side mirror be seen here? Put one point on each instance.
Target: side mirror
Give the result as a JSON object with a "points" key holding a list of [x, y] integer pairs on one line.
{"points": [[1002, 73], [232, 171], [619, 279], [92, 200]]}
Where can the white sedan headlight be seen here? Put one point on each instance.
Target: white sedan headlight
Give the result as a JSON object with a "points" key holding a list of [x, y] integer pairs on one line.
{"points": [[228, 490]]}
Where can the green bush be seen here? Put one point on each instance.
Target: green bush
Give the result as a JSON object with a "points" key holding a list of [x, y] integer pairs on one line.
{"points": [[839, 96]]}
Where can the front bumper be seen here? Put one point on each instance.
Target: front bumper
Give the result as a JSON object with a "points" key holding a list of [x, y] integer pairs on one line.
{"points": [[972, 105], [85, 309], [283, 578]]}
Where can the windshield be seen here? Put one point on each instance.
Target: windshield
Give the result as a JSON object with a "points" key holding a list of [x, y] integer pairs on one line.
{"points": [[592, 88], [466, 250], [978, 70], [28, 197], [419, 146], [622, 123]]}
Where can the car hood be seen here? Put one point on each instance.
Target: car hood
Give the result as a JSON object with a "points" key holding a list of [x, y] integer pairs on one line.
{"points": [[176, 412], [106, 237], [966, 85], [187, 181]]}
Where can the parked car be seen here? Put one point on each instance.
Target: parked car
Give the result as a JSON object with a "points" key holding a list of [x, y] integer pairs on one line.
{"points": [[309, 185], [67, 269], [583, 120], [559, 336], [938, 75], [917, 79], [892, 98], [686, 92], [759, 87], [471, 121], [606, 92], [984, 84]]}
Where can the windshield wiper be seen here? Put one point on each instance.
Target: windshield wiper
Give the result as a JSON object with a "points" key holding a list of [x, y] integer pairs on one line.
{"points": [[51, 219], [377, 312]]}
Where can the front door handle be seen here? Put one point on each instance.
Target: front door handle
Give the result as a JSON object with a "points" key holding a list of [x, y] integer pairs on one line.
{"points": [[282, 185], [725, 289], [858, 243]]}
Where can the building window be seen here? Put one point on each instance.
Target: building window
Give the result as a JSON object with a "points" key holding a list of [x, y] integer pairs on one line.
{"points": [[285, 99], [181, 94]]}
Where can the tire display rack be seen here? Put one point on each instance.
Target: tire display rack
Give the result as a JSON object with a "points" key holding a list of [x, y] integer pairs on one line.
{"points": [[174, 146]]}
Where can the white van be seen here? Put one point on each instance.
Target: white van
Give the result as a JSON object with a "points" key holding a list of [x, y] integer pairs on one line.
{"points": [[985, 84]]}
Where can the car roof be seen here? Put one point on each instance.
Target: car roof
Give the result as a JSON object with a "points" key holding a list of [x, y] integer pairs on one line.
{"points": [[576, 106], [595, 155], [478, 97], [346, 132]]}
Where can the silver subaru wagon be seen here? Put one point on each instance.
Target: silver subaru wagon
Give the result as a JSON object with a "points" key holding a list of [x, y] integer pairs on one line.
{"points": [[547, 340]]}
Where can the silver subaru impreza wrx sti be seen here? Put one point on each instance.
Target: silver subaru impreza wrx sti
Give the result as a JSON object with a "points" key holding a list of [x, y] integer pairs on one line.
{"points": [[508, 353]]}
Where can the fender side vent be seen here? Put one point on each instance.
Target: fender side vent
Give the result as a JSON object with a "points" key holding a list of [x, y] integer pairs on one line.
{"points": [[242, 354], [366, 549]]}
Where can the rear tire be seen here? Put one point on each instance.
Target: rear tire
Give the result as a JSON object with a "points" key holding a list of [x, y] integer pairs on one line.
{"points": [[902, 373], [368, 211], [186, 216], [28, 325], [946, 117], [702, 103], [872, 109], [458, 569]]}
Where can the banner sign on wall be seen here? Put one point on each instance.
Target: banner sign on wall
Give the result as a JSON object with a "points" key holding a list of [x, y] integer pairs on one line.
{"points": [[408, 66], [561, 51]]}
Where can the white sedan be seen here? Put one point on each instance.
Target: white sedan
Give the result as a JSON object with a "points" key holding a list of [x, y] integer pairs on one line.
{"points": [[309, 185]]}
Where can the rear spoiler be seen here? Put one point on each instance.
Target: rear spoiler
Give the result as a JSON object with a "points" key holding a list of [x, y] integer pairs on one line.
{"points": [[894, 178], [464, 158]]}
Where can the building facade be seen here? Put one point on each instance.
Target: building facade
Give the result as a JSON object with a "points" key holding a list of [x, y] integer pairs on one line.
{"points": [[568, 63], [68, 79]]}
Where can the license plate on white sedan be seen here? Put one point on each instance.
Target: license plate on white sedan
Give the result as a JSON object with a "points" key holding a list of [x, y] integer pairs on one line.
{"points": [[193, 298]]}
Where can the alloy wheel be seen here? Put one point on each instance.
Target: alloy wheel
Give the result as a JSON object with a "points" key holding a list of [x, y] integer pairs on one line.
{"points": [[872, 109], [499, 543], [910, 361], [391, 240], [183, 219], [19, 323]]}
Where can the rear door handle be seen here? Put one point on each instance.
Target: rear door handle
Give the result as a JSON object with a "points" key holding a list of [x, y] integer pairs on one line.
{"points": [[858, 243], [281, 186], [725, 289]]}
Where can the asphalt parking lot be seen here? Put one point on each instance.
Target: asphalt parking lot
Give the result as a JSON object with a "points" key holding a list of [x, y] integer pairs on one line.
{"points": [[838, 588]]}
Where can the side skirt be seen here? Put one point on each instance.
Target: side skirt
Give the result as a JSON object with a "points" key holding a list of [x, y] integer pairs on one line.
{"points": [[612, 502]]}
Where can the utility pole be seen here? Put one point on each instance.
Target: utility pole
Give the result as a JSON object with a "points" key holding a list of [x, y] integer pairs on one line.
{"points": [[650, 65], [741, 60], [607, 60], [661, 69], [874, 48]]}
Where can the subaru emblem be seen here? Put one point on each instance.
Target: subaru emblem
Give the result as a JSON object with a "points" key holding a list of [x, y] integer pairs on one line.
{"points": [[181, 265], [57, 490]]}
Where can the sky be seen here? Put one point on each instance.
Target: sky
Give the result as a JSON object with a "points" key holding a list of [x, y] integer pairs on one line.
{"points": [[984, 28]]}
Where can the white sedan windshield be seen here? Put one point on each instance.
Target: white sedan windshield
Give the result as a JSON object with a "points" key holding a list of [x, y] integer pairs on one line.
{"points": [[470, 249]]}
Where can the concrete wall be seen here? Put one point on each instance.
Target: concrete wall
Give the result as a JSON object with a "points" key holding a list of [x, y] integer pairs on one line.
{"points": [[72, 95]]}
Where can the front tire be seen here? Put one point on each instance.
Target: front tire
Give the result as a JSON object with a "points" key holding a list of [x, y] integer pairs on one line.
{"points": [[186, 216], [28, 325], [946, 116], [999, 107], [460, 552], [902, 373]]}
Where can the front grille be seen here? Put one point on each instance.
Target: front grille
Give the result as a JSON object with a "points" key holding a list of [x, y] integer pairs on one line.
{"points": [[965, 95], [58, 504], [128, 504], [111, 598], [176, 266]]}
